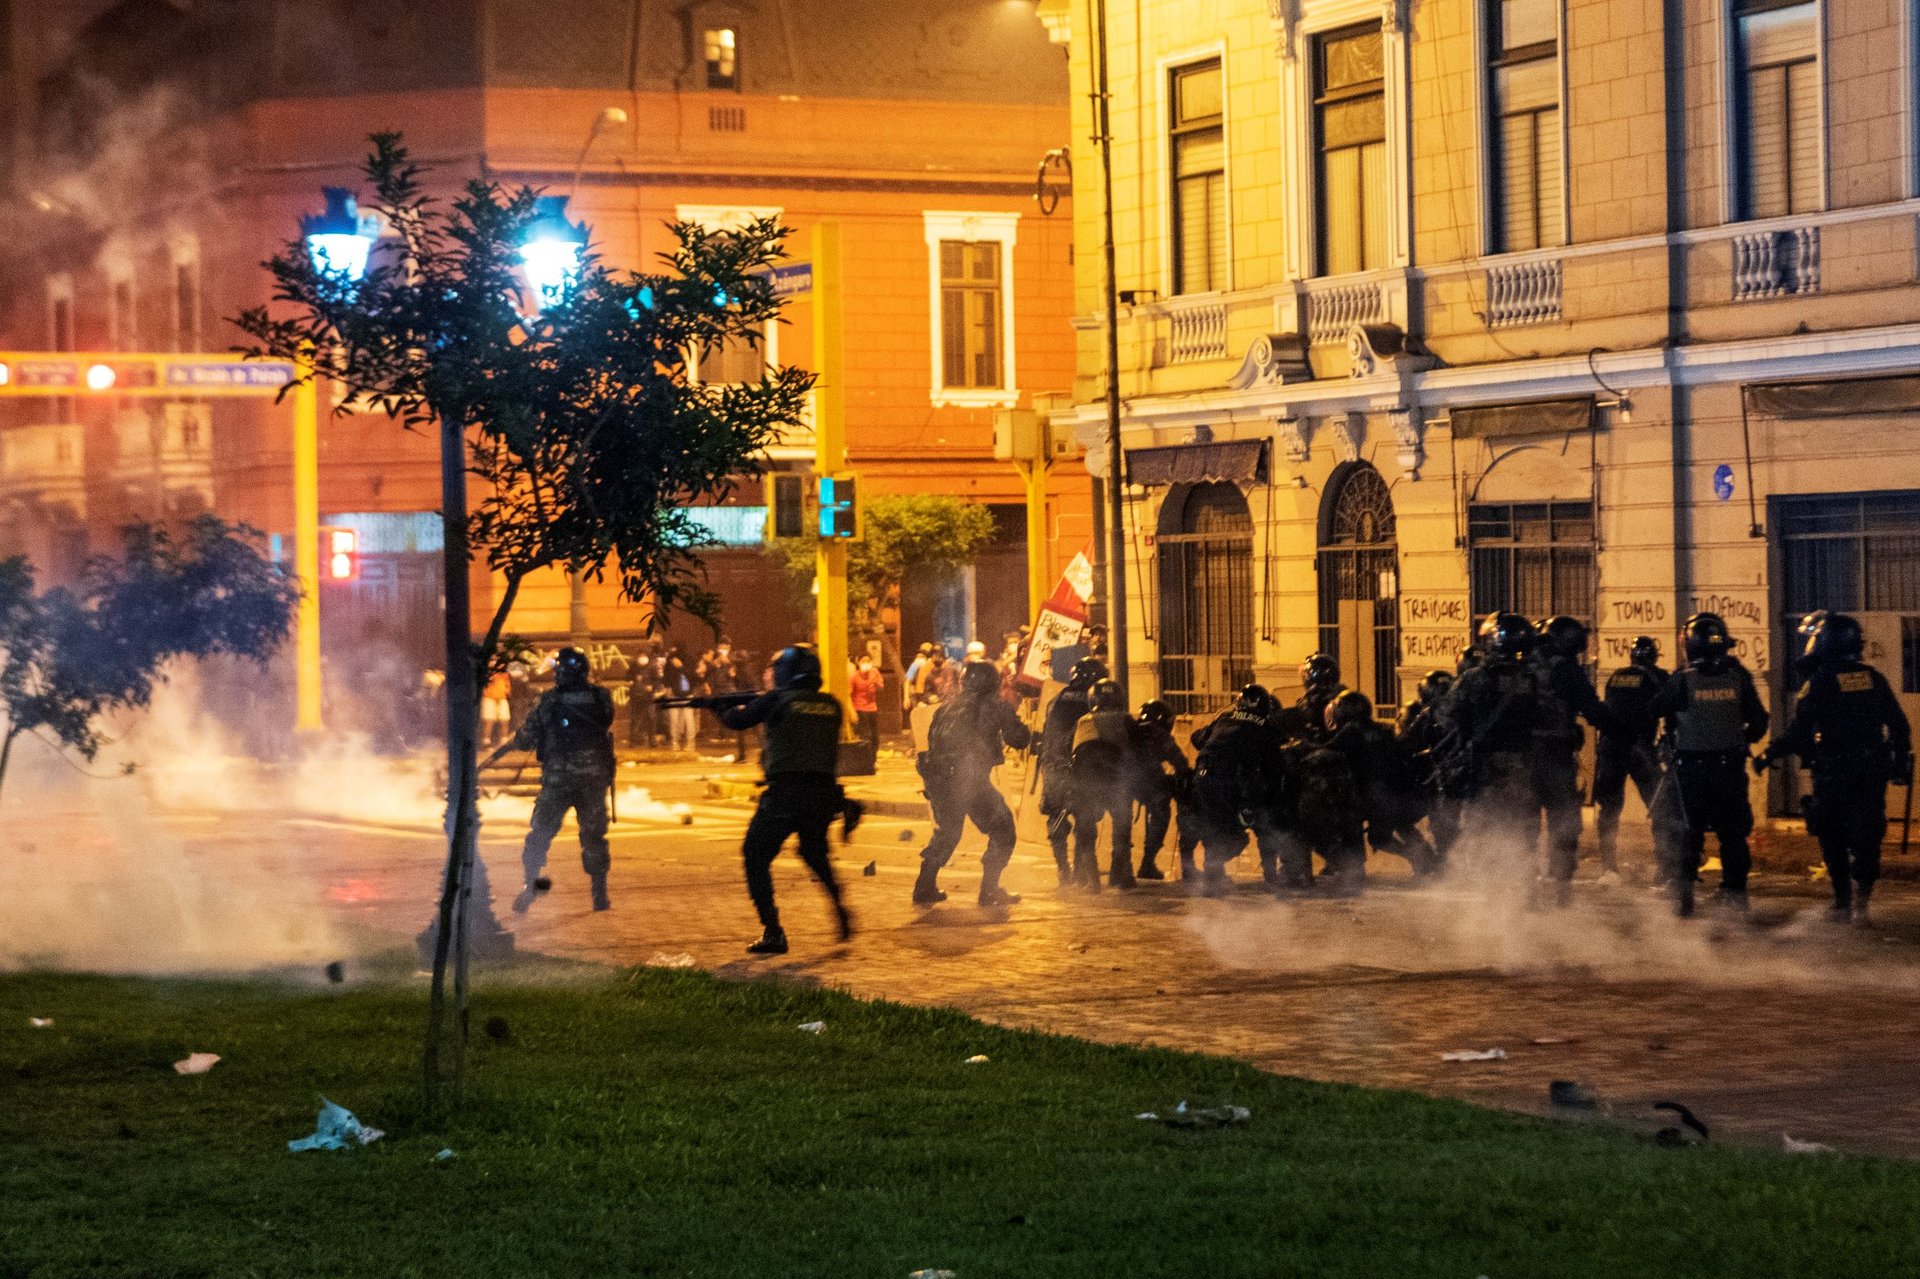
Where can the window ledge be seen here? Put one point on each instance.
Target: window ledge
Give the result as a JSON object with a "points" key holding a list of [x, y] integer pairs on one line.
{"points": [[944, 397]]}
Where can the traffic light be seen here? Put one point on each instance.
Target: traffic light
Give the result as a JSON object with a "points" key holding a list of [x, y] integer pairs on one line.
{"points": [[786, 505], [340, 554], [839, 508]]}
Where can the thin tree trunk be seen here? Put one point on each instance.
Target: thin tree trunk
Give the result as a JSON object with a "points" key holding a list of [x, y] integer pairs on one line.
{"points": [[463, 713], [6, 753]]}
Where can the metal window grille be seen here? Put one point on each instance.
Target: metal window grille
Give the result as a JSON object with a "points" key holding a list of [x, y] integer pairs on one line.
{"points": [[1533, 558], [1206, 601], [1359, 562]]}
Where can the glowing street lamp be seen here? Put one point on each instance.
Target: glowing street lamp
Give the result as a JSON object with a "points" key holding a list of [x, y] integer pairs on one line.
{"points": [[340, 239], [553, 249]]}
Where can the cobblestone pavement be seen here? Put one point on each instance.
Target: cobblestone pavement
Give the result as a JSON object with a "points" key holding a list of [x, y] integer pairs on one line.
{"points": [[1778, 1025]]}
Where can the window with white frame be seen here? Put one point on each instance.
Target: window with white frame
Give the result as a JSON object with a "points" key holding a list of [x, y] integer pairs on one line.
{"points": [[1199, 153], [971, 295], [1350, 143], [1523, 49], [1777, 98]]}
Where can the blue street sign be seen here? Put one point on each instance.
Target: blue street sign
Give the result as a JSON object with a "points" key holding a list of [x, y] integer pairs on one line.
{"points": [[792, 279], [190, 374], [1723, 481]]}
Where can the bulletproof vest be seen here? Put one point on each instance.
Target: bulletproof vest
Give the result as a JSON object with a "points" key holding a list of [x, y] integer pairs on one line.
{"points": [[966, 733], [1711, 721], [576, 723], [1557, 723], [1237, 739], [1510, 701], [1852, 712], [1630, 694], [803, 733], [1102, 735], [1056, 741]]}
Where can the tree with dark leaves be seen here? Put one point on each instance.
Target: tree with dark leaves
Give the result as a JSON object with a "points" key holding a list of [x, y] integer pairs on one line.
{"points": [[70, 656], [585, 423]]}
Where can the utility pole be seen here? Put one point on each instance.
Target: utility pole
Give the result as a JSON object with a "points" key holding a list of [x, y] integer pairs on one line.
{"points": [[1116, 456], [308, 704], [829, 454]]}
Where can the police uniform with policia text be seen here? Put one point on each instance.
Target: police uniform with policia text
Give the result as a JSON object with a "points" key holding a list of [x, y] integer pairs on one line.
{"points": [[1849, 726], [964, 745], [1625, 751], [802, 795], [571, 733]]}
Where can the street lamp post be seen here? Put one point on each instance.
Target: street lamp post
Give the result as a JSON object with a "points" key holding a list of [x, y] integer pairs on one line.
{"points": [[1116, 455]]}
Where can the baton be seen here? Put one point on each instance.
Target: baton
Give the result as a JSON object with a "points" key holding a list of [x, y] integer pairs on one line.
{"points": [[613, 805], [1906, 823]]}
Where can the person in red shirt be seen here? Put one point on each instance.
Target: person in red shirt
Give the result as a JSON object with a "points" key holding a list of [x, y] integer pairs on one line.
{"points": [[864, 691]]}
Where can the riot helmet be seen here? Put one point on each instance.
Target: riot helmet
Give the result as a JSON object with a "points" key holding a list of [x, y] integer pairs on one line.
{"points": [[570, 668], [1645, 651], [1320, 673], [1156, 714], [1350, 707], [797, 666], [1470, 656], [1836, 638], [980, 677], [1433, 686], [1564, 636], [1255, 700], [1086, 672], [1107, 696], [1507, 635], [1707, 639]]}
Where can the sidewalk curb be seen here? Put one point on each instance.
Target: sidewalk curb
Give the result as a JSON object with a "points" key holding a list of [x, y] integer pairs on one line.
{"points": [[914, 810]]}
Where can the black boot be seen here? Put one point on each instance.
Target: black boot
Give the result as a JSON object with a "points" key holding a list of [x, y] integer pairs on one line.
{"points": [[600, 901], [842, 921], [926, 889], [772, 942], [1683, 899], [1121, 873], [1150, 867], [1862, 895], [1061, 865], [991, 894]]}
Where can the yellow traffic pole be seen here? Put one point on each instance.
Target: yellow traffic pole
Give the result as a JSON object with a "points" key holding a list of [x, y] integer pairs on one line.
{"points": [[305, 399], [830, 453], [1038, 560]]}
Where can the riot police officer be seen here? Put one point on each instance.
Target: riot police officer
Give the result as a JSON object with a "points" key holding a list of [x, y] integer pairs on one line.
{"points": [[1161, 774], [802, 796], [571, 733], [1713, 714], [1419, 733], [1056, 758], [1848, 724], [1387, 791], [1306, 719], [1236, 767], [1487, 722], [964, 746], [1568, 698], [1103, 774], [1625, 751]]}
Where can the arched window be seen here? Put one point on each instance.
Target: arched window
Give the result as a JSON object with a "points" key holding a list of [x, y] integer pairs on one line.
{"points": [[1205, 547], [1360, 582]]}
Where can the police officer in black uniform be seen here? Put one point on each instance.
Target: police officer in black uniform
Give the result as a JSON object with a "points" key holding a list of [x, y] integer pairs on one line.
{"points": [[1849, 726], [1625, 751], [802, 797], [964, 746], [1161, 774], [1486, 723], [1419, 734], [1056, 758], [571, 733], [1236, 763], [1306, 719], [1569, 698], [1103, 775], [1387, 791], [1713, 714]]}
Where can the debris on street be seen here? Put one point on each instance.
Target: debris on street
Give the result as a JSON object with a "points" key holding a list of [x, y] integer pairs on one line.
{"points": [[336, 1129], [662, 959], [870, 869], [1567, 1092], [1796, 1147], [1208, 1117], [196, 1064], [1471, 1054]]}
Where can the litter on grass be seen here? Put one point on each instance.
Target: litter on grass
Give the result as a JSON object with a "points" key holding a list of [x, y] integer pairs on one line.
{"points": [[39, 1023], [1207, 1117], [978, 1059], [933, 1274], [444, 1155], [1146, 1114], [813, 1027], [1795, 1147], [1469, 1054], [664, 960], [336, 1129], [196, 1064]]}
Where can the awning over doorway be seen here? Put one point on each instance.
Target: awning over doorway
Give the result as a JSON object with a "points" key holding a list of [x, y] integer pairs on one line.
{"points": [[1533, 417], [1837, 397], [1235, 461]]}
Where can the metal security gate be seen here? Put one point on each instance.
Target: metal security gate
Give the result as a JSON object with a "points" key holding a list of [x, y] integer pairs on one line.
{"points": [[1206, 599], [1856, 553], [1359, 570]]}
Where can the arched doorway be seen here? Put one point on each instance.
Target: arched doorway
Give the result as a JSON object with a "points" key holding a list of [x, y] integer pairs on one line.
{"points": [[1359, 568], [1205, 545]]}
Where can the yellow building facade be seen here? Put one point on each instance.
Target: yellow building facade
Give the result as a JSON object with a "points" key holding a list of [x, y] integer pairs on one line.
{"points": [[1596, 307]]}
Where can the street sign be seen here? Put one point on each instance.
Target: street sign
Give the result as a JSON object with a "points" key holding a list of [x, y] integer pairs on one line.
{"points": [[47, 373], [792, 280], [202, 375]]}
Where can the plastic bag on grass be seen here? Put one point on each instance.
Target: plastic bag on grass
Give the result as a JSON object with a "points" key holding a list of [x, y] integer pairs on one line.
{"points": [[196, 1064], [336, 1129]]}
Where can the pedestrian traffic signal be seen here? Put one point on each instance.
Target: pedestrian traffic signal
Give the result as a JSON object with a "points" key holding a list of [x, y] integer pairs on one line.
{"points": [[786, 505], [839, 508], [341, 552]]}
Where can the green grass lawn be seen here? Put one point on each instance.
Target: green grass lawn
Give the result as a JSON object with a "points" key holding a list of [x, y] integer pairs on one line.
{"points": [[664, 1123]]}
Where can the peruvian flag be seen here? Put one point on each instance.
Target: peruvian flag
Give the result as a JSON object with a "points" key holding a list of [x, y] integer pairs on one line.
{"points": [[1060, 622]]}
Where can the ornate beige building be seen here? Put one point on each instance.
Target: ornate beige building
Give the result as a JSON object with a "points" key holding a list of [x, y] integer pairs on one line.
{"points": [[1600, 307]]}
